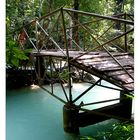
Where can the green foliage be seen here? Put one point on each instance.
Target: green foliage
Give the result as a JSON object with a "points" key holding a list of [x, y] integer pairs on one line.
{"points": [[129, 6], [129, 96], [87, 138], [54, 74], [17, 13], [64, 75], [14, 55], [119, 131]]}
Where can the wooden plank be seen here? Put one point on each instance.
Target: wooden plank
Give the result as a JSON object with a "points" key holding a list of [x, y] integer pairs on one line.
{"points": [[106, 63], [100, 55], [119, 72], [107, 66], [109, 69], [45, 53], [130, 87], [105, 69], [125, 78], [101, 59], [101, 74]]}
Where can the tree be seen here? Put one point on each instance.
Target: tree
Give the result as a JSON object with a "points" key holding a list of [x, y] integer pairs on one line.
{"points": [[75, 19]]}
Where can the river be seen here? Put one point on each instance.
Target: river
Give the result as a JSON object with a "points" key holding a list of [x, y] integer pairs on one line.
{"points": [[32, 114]]}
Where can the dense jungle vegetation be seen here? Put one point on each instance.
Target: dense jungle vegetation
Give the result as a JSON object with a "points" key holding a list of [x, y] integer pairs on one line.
{"points": [[19, 12]]}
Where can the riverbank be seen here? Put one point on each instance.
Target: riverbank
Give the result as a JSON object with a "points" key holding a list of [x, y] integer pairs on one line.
{"points": [[17, 78]]}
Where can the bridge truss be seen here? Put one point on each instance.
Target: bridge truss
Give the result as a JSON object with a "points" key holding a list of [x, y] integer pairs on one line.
{"points": [[64, 45]]}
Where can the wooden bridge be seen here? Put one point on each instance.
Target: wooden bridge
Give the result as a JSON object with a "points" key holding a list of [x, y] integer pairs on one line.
{"points": [[61, 43], [117, 70]]}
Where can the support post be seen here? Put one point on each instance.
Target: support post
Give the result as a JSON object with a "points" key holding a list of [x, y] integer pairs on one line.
{"points": [[40, 69], [68, 58], [70, 119], [125, 37], [50, 62], [126, 102]]}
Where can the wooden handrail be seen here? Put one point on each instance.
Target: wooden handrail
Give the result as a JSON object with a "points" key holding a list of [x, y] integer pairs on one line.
{"points": [[100, 16]]}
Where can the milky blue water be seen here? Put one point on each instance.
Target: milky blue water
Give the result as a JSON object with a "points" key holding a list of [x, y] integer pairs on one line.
{"points": [[32, 114]]}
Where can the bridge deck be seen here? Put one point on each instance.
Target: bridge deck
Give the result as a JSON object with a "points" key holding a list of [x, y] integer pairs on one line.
{"points": [[101, 65]]}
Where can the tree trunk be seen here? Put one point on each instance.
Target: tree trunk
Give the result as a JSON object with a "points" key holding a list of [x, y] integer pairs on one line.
{"points": [[75, 18], [118, 10], [49, 6]]}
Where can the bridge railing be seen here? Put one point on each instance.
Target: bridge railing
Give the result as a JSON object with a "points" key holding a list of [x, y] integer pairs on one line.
{"points": [[85, 31], [101, 30]]}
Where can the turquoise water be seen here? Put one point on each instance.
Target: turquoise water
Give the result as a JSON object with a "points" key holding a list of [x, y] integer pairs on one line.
{"points": [[32, 114]]}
